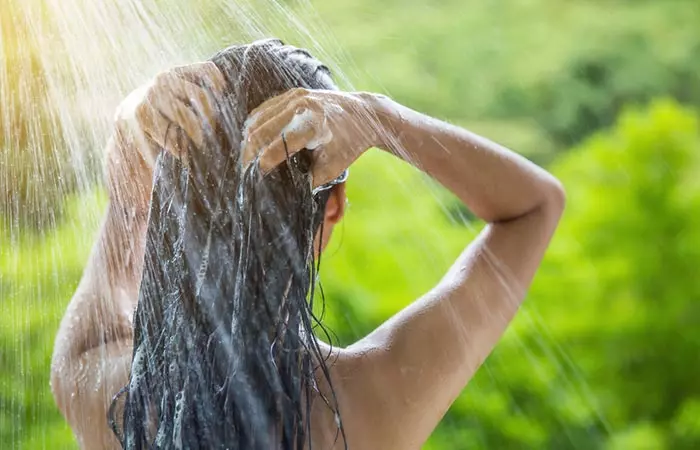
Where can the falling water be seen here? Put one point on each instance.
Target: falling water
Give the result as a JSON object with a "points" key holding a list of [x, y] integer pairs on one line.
{"points": [[64, 67]]}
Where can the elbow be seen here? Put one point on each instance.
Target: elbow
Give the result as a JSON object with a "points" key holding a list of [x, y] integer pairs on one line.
{"points": [[548, 203], [551, 207], [555, 197]]}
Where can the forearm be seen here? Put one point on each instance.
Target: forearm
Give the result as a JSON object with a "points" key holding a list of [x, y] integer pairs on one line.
{"points": [[495, 183], [462, 318]]}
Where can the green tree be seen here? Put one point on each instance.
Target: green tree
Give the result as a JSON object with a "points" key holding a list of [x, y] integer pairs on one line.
{"points": [[592, 89], [38, 275], [632, 226], [604, 353]]}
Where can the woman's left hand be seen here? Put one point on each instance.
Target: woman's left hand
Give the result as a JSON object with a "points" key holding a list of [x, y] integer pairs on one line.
{"points": [[337, 126]]}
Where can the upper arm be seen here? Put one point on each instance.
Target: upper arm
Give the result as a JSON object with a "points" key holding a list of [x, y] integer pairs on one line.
{"points": [[94, 345], [92, 351], [91, 360], [404, 376], [91, 363]]}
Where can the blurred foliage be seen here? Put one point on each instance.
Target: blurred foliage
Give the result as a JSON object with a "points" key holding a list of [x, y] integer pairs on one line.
{"points": [[595, 87], [624, 261], [604, 353], [38, 274], [537, 75]]}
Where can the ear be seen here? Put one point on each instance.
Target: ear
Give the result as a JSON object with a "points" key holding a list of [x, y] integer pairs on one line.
{"points": [[335, 207]]}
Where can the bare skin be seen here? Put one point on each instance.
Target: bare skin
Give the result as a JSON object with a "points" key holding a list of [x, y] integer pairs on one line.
{"points": [[393, 386]]}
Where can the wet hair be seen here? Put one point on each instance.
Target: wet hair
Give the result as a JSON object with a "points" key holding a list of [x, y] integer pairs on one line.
{"points": [[224, 350]]}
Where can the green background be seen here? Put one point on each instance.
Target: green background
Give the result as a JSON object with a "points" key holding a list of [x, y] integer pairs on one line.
{"points": [[605, 353]]}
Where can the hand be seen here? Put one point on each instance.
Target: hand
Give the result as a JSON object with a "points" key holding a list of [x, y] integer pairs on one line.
{"points": [[337, 126], [177, 105], [181, 98]]}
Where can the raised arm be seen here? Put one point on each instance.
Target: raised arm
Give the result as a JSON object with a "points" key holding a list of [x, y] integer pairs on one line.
{"points": [[395, 385], [92, 353], [418, 362]]}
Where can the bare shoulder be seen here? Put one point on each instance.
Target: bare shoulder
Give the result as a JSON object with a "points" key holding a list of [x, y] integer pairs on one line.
{"points": [[358, 390], [395, 385]]}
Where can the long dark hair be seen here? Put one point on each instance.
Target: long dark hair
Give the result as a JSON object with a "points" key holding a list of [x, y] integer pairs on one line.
{"points": [[224, 349]]}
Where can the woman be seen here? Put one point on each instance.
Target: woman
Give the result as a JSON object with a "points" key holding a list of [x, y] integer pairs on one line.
{"points": [[221, 344]]}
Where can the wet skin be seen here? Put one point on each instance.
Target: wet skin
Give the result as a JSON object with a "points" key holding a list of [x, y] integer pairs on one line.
{"points": [[394, 385]]}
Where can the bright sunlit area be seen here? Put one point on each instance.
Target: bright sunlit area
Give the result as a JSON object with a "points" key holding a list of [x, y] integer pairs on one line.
{"points": [[602, 349]]}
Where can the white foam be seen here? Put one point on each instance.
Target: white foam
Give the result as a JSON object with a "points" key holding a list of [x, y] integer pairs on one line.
{"points": [[321, 140], [248, 122], [300, 119]]}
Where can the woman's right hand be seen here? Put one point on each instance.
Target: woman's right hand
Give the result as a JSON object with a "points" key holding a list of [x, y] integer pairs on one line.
{"points": [[175, 105]]}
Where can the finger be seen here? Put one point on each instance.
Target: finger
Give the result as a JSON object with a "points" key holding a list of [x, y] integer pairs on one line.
{"points": [[271, 107], [154, 125], [178, 114], [328, 165], [140, 125], [329, 162], [293, 116], [163, 99], [284, 97], [203, 101], [204, 74], [285, 146]]}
